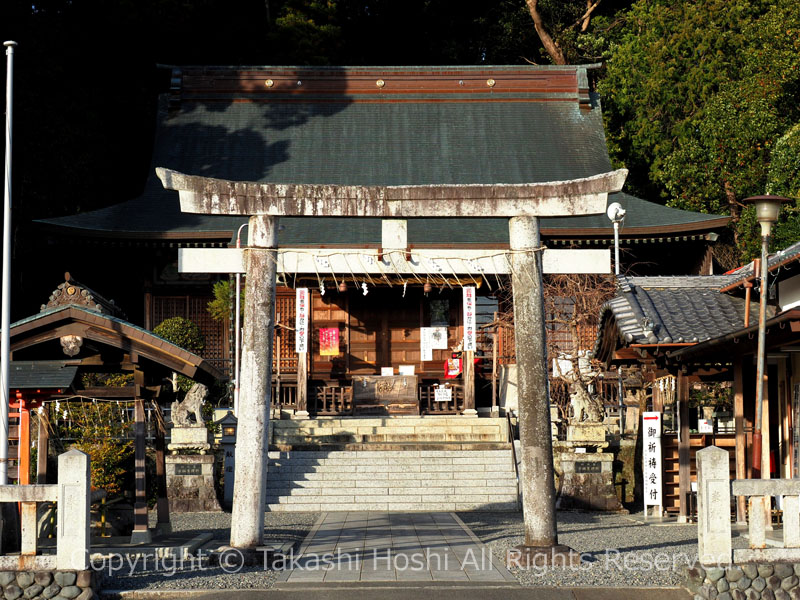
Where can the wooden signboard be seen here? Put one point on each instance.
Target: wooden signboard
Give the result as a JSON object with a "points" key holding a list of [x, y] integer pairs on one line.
{"points": [[391, 395]]}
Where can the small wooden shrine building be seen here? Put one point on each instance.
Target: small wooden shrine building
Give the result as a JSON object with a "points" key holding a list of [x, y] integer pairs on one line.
{"points": [[686, 331], [76, 333]]}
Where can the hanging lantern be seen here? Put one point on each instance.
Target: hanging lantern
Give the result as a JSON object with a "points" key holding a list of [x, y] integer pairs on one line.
{"points": [[427, 287], [343, 287]]}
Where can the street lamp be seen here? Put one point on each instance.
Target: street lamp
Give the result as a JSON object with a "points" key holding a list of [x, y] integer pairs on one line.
{"points": [[767, 210], [616, 214]]}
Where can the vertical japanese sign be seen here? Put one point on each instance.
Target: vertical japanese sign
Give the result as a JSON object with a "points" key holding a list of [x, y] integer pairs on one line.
{"points": [[301, 320], [469, 319], [329, 341], [651, 459]]}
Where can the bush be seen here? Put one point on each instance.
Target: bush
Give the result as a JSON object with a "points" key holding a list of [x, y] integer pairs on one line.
{"points": [[181, 332]]}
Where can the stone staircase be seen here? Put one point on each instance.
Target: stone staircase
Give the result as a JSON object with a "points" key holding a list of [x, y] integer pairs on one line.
{"points": [[429, 463], [394, 480]]}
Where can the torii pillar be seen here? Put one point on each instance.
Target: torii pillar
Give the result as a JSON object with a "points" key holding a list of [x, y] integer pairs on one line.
{"points": [[521, 203]]}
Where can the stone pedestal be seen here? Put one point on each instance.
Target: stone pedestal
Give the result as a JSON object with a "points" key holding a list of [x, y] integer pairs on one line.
{"points": [[189, 438], [592, 433], [587, 480], [190, 483]]}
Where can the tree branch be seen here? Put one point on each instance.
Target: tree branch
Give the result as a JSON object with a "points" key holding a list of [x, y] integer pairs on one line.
{"points": [[586, 18], [550, 45]]}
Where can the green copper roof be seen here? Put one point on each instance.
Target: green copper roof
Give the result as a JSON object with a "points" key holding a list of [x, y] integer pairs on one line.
{"points": [[410, 138]]}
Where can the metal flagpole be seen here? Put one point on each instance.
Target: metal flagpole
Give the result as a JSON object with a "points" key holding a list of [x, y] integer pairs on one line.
{"points": [[5, 318]]}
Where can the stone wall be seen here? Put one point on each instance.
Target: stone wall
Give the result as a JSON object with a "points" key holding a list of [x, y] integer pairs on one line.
{"points": [[753, 581], [28, 585]]}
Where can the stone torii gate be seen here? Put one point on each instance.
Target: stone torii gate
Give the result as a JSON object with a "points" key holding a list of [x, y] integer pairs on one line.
{"points": [[522, 204]]}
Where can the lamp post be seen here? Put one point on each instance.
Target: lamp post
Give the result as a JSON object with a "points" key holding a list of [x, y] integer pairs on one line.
{"points": [[767, 210]]}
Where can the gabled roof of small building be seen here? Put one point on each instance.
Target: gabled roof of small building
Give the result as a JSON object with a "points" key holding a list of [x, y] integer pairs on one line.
{"points": [[655, 311], [377, 126], [779, 261], [90, 324]]}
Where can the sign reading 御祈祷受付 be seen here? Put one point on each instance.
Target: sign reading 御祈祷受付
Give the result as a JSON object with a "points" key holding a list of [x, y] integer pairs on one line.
{"points": [[651, 459]]}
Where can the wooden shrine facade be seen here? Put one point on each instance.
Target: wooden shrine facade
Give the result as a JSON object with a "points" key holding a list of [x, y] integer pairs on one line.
{"points": [[383, 330]]}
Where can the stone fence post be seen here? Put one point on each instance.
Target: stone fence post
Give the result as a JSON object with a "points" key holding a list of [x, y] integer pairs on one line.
{"points": [[74, 495], [713, 507]]}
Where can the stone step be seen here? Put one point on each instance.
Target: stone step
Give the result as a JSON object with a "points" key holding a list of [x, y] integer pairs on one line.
{"points": [[294, 484], [393, 460], [402, 429], [400, 506], [458, 470], [416, 438], [399, 421], [389, 446], [391, 492], [383, 429], [391, 480], [399, 452]]}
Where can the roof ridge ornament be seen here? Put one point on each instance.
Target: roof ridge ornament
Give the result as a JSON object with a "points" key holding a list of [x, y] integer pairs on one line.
{"points": [[72, 292]]}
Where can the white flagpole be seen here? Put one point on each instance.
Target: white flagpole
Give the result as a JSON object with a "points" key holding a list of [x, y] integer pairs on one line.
{"points": [[5, 318]]}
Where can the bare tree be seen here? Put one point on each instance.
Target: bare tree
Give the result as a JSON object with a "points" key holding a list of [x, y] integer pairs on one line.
{"points": [[572, 308]]}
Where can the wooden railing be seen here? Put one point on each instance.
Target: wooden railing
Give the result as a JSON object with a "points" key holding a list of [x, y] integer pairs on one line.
{"points": [[284, 394], [338, 400], [331, 400], [429, 405]]}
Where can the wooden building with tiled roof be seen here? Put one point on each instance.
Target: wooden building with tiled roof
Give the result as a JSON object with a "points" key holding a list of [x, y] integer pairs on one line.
{"points": [[365, 126], [687, 332]]}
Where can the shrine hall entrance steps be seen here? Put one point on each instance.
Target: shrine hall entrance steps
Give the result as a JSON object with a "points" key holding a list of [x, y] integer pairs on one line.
{"points": [[391, 480], [386, 433]]}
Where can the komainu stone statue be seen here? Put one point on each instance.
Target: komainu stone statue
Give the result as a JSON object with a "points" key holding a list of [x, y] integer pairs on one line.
{"points": [[584, 407], [192, 403]]}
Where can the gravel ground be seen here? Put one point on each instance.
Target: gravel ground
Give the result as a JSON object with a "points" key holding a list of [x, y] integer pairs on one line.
{"points": [[194, 574], [617, 550]]}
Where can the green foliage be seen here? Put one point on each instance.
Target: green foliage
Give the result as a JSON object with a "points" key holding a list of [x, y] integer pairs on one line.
{"points": [[783, 179], [311, 28], [696, 96], [784, 170], [181, 332], [106, 379], [186, 334], [98, 430], [221, 307]]}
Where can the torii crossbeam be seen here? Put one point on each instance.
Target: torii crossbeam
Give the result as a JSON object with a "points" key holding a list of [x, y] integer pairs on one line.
{"points": [[522, 204]]}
